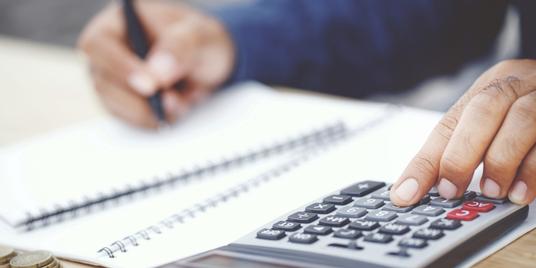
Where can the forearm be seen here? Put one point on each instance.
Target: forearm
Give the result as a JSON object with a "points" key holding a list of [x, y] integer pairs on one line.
{"points": [[354, 48]]}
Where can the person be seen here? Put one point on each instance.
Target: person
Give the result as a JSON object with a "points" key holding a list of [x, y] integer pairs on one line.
{"points": [[344, 47]]}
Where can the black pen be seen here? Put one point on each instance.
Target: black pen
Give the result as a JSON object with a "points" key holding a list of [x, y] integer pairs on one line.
{"points": [[140, 44]]}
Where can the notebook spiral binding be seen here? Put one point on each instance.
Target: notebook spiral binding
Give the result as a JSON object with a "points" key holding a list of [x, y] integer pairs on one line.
{"points": [[169, 223], [184, 216], [88, 204]]}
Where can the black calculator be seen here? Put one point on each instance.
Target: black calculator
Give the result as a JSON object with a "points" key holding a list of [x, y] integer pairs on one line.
{"points": [[358, 226]]}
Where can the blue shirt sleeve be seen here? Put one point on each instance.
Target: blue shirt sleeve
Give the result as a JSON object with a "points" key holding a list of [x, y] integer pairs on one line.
{"points": [[353, 48]]}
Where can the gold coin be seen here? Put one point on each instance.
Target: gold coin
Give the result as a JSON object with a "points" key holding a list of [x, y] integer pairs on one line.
{"points": [[53, 264], [6, 254], [35, 259]]}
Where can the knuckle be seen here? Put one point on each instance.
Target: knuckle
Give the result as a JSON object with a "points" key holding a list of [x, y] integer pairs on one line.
{"points": [[451, 164], [499, 90], [425, 165], [525, 107], [446, 126], [496, 161], [485, 101]]}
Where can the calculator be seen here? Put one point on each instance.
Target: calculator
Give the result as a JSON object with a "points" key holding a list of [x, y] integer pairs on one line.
{"points": [[358, 226]]}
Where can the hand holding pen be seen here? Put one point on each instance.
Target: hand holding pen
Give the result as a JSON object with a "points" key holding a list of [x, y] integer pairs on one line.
{"points": [[136, 68]]}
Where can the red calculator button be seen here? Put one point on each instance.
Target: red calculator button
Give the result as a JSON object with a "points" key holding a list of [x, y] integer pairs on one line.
{"points": [[478, 206], [462, 214]]}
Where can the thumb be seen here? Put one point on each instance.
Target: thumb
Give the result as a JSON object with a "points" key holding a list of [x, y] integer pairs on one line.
{"points": [[172, 54]]}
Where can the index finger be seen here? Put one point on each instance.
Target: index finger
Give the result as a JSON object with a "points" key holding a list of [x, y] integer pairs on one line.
{"points": [[422, 172]]}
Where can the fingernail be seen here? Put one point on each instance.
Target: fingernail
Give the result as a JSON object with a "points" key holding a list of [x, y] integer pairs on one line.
{"points": [[491, 188], [164, 66], [407, 190], [447, 189], [518, 193], [142, 83]]}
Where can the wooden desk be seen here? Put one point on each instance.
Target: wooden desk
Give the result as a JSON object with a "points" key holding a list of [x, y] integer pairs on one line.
{"points": [[45, 88]]}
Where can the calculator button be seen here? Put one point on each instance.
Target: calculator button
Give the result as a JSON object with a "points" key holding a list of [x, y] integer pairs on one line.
{"points": [[411, 219], [338, 199], [425, 199], [270, 234], [378, 238], [478, 206], [402, 252], [303, 238], [468, 195], [334, 221], [427, 210], [395, 208], [383, 195], [370, 203], [433, 192], [351, 212], [317, 230], [413, 243], [446, 203], [395, 229], [303, 217], [490, 200], [429, 234], [364, 225], [362, 188], [286, 226], [350, 245], [347, 233], [445, 224], [320, 208], [462, 214], [380, 215]]}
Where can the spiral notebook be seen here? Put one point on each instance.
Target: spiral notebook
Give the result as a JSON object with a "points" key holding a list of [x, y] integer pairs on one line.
{"points": [[87, 168], [104, 193]]}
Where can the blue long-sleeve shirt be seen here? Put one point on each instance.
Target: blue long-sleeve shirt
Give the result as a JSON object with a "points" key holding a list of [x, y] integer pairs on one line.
{"points": [[355, 47]]}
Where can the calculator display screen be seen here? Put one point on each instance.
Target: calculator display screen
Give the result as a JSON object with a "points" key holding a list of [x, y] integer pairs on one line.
{"points": [[228, 261]]}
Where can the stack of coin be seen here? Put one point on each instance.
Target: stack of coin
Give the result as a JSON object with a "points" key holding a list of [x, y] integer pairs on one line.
{"points": [[6, 254], [35, 259]]}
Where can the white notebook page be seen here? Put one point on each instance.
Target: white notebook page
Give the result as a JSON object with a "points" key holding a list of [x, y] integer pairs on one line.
{"points": [[241, 118]]}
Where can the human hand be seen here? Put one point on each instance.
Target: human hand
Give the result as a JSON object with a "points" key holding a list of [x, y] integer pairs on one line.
{"points": [[186, 46], [493, 122]]}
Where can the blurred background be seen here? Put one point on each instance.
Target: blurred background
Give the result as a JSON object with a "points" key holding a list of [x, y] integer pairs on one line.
{"points": [[59, 22]]}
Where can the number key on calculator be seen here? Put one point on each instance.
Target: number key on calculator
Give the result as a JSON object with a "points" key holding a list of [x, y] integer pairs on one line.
{"points": [[358, 227]]}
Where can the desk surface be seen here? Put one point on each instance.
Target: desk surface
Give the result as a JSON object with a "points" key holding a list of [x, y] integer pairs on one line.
{"points": [[45, 88]]}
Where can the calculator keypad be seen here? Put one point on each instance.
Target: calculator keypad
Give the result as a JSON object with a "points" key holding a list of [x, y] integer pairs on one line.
{"points": [[320, 208], [362, 215], [351, 212], [462, 214], [362, 188], [347, 233], [338, 199], [286, 226], [303, 238], [335, 221], [303, 217], [318, 230]]}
